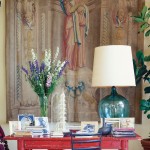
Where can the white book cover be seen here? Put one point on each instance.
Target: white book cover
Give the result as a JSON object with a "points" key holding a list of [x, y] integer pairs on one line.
{"points": [[13, 126], [42, 121]]}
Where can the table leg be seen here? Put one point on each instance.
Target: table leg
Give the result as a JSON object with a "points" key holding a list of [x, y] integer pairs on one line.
{"points": [[20, 144], [124, 144]]}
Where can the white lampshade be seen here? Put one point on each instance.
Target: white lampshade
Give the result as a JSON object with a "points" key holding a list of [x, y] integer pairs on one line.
{"points": [[113, 66]]}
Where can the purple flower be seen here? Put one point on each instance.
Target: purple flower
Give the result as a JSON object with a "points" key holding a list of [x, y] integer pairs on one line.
{"points": [[37, 66], [42, 67], [25, 70], [31, 66], [48, 81]]}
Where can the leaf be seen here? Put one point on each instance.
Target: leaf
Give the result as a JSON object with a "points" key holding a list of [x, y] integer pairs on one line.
{"points": [[148, 116], [142, 71], [138, 80], [144, 10], [147, 33], [144, 26], [147, 58], [140, 57], [147, 90], [135, 67], [147, 16], [138, 19]]}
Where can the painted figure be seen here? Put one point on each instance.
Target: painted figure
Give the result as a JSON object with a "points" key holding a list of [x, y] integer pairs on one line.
{"points": [[119, 18], [29, 12], [76, 29]]}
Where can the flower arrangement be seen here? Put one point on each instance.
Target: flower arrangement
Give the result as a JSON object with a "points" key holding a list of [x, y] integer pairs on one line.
{"points": [[43, 77]]}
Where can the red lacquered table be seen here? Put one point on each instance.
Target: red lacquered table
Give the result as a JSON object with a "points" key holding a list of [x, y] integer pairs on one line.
{"points": [[60, 143]]}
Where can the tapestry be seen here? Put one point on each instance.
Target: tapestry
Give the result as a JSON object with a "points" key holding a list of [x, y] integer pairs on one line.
{"points": [[76, 30]]}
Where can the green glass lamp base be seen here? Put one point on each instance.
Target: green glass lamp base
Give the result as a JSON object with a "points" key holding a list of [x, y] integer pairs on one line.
{"points": [[113, 106]]}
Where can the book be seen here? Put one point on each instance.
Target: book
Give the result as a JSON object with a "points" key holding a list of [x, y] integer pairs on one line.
{"points": [[57, 134], [123, 133], [37, 130], [22, 133], [123, 129]]}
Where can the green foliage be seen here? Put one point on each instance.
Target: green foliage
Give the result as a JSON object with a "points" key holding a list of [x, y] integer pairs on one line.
{"points": [[140, 68], [147, 58], [142, 73], [145, 106], [143, 19]]}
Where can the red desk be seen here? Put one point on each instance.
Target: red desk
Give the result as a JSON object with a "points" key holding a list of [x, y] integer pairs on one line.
{"points": [[52, 143]]}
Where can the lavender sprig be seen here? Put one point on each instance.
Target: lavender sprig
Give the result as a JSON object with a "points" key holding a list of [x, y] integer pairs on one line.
{"points": [[25, 70]]}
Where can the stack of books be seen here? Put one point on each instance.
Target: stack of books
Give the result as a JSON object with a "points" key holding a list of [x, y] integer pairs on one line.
{"points": [[123, 132], [57, 134], [36, 130], [20, 133]]}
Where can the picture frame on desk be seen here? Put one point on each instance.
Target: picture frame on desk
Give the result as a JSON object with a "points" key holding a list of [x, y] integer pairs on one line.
{"points": [[114, 121], [127, 122], [42, 122], [26, 120], [89, 126], [13, 126]]}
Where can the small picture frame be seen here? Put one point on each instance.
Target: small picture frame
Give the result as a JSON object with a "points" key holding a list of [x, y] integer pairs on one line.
{"points": [[114, 121], [89, 126], [42, 122], [26, 120], [127, 122], [13, 126]]}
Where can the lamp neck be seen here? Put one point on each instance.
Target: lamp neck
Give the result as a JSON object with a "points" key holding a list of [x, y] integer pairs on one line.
{"points": [[113, 91]]}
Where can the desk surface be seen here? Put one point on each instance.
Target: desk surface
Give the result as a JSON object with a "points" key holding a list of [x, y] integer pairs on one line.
{"points": [[137, 137], [59, 143]]}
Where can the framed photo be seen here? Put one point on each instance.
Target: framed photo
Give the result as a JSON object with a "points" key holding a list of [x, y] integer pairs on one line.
{"points": [[127, 122], [42, 122], [13, 126], [26, 120], [89, 126], [114, 121]]}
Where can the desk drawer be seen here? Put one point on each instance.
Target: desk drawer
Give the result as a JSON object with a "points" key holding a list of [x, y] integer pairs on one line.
{"points": [[112, 144], [43, 144]]}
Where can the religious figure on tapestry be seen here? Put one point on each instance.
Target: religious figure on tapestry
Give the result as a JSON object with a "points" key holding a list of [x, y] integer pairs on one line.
{"points": [[26, 10], [119, 17], [76, 29]]}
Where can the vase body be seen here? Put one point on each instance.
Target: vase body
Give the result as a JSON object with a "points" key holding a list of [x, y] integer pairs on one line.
{"points": [[43, 106], [113, 106]]}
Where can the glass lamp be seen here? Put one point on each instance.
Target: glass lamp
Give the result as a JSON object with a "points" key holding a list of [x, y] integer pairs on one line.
{"points": [[113, 67]]}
